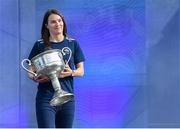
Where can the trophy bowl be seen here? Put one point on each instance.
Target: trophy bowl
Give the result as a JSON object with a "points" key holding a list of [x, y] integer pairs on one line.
{"points": [[51, 63], [48, 62]]}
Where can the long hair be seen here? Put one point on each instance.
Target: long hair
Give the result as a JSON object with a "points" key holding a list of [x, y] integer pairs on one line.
{"points": [[44, 30]]}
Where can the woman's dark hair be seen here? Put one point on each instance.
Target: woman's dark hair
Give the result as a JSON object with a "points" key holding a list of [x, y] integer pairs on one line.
{"points": [[44, 30]]}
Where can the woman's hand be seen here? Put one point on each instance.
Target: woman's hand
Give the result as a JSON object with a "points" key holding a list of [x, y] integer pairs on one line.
{"points": [[75, 73], [66, 72], [40, 78]]}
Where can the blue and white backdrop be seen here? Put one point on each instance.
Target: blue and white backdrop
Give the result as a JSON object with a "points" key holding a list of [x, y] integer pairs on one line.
{"points": [[131, 69]]}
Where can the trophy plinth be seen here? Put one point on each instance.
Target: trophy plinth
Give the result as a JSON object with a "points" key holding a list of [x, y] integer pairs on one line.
{"points": [[61, 97]]}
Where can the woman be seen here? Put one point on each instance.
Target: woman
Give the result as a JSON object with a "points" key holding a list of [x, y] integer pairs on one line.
{"points": [[54, 35]]}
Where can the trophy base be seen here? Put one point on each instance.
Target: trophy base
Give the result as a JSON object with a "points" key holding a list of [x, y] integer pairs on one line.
{"points": [[61, 97]]}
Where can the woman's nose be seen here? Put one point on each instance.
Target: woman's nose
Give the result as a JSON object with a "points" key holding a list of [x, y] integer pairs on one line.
{"points": [[57, 23]]}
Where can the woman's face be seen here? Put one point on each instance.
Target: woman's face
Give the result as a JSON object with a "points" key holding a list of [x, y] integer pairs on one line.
{"points": [[55, 24]]}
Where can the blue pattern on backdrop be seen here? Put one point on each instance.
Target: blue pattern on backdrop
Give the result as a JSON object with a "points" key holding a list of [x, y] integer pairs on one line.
{"points": [[111, 33]]}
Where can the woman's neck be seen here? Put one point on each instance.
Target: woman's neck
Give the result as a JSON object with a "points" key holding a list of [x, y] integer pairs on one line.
{"points": [[57, 38]]}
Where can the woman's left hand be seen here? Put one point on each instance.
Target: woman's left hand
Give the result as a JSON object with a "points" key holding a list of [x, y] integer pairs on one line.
{"points": [[66, 72]]}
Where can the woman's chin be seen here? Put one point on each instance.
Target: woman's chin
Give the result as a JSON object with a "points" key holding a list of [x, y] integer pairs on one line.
{"points": [[58, 33]]}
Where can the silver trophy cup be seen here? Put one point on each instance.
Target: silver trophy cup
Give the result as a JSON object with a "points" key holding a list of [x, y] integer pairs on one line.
{"points": [[51, 63]]}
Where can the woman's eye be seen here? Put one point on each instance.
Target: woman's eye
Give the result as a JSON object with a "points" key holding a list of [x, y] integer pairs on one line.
{"points": [[53, 22]]}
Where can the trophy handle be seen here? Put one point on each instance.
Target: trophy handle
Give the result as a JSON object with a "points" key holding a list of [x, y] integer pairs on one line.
{"points": [[29, 63], [70, 53]]}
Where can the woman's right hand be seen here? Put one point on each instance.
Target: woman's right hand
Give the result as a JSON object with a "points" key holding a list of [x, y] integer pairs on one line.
{"points": [[39, 79]]}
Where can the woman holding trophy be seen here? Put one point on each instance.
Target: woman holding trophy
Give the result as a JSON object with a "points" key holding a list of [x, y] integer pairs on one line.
{"points": [[55, 110]]}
